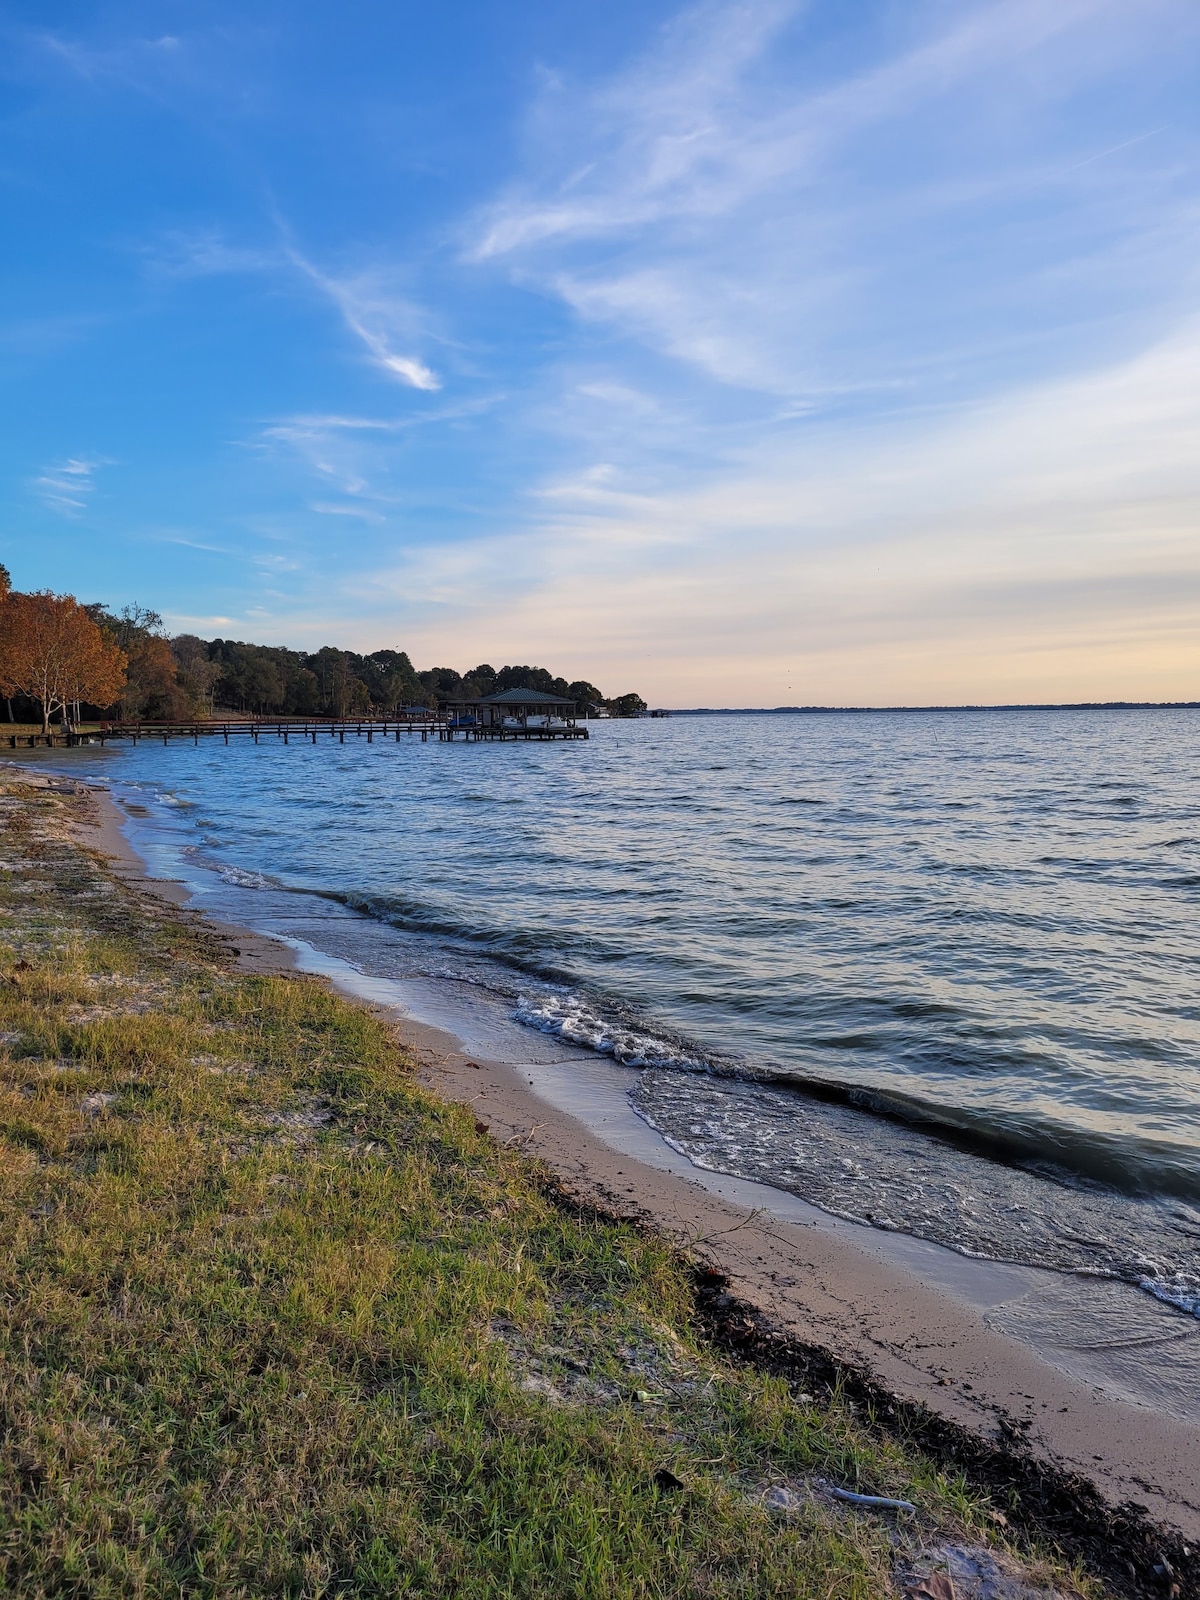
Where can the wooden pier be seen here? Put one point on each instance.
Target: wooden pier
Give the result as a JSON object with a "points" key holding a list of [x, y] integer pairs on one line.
{"points": [[285, 730]]}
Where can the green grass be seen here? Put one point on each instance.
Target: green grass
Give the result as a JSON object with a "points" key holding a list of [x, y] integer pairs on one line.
{"points": [[275, 1321]]}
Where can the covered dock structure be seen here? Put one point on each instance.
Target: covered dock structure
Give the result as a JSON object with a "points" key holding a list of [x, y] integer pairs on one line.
{"points": [[515, 714]]}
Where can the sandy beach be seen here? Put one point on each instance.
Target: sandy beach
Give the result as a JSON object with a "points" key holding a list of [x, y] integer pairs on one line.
{"points": [[805, 1288]]}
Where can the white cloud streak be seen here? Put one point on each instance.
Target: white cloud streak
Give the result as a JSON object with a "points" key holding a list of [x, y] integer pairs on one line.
{"points": [[715, 205], [371, 316], [67, 488], [683, 134], [138, 63], [377, 318], [204, 253], [329, 508]]}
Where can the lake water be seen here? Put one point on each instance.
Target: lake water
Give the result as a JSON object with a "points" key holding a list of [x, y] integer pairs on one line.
{"points": [[933, 971]]}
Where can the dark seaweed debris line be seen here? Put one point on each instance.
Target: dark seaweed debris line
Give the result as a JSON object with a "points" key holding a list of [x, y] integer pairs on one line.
{"points": [[1121, 1544]]}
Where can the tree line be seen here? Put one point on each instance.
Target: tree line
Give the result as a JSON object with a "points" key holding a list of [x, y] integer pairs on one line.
{"points": [[63, 659]]}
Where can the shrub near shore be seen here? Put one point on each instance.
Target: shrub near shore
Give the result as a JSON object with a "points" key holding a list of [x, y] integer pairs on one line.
{"points": [[276, 1321]]}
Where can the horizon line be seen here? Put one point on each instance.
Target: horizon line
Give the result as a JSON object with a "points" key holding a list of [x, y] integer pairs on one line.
{"points": [[1017, 705]]}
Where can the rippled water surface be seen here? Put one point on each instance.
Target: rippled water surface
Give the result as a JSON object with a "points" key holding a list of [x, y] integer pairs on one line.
{"points": [[979, 925]]}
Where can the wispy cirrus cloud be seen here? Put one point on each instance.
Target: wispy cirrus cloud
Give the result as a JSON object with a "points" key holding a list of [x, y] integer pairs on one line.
{"points": [[665, 137], [705, 122], [356, 456], [186, 543], [337, 422], [204, 252], [223, 67], [330, 448], [376, 318], [67, 487], [134, 61], [362, 513], [333, 422], [381, 319], [776, 228]]}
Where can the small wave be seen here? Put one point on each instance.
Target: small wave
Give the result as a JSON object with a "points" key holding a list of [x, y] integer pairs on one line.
{"points": [[242, 879], [1178, 1290], [569, 1017], [899, 1179], [521, 950]]}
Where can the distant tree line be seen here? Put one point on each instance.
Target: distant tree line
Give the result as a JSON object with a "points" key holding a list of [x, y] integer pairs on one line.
{"points": [[94, 662], [229, 674]]}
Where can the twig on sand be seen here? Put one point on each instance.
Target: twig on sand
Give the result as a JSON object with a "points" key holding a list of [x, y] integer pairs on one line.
{"points": [[522, 1138], [749, 1221]]}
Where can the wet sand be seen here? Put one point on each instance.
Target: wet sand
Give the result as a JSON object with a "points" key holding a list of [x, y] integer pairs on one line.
{"points": [[926, 1325]]}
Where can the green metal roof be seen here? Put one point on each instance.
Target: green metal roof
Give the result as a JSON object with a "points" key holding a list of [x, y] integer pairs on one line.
{"points": [[524, 697]]}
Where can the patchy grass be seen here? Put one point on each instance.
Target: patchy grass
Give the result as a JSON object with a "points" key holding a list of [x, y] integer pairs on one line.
{"points": [[275, 1321]]}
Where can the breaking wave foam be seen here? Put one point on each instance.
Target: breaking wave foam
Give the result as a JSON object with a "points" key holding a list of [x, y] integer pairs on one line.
{"points": [[1180, 1290], [568, 1016], [242, 879]]}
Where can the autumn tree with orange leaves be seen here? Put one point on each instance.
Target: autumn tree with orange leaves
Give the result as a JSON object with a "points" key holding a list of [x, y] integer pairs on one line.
{"points": [[52, 651]]}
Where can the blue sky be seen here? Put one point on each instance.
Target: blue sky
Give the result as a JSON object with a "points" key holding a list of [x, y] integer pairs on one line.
{"points": [[744, 353]]}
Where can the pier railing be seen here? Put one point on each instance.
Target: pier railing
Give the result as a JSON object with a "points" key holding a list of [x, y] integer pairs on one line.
{"points": [[285, 730]]}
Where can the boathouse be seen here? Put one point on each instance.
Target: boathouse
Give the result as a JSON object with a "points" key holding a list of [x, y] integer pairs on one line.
{"points": [[525, 708]]}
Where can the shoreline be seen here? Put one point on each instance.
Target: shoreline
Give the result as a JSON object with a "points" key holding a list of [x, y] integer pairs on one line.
{"points": [[279, 1320], [809, 1284]]}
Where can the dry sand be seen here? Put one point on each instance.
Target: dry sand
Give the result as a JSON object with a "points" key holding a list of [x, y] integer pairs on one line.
{"points": [[917, 1342]]}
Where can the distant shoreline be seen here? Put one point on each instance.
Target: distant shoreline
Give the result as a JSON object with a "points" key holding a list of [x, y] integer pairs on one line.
{"points": [[894, 711]]}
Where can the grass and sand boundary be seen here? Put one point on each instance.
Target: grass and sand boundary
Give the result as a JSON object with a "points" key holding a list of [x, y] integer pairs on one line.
{"points": [[278, 1320]]}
